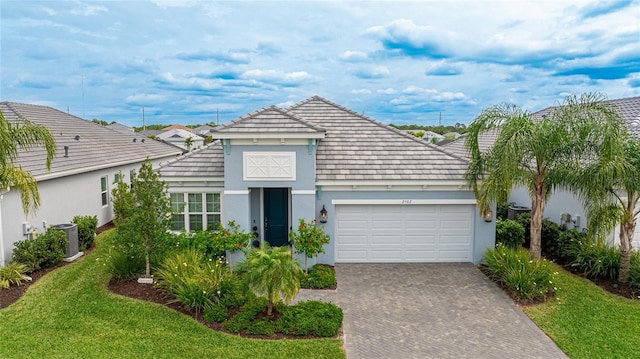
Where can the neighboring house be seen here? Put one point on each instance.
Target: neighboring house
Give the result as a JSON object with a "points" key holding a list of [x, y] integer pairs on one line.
{"points": [[120, 128], [204, 130], [150, 133], [564, 202], [452, 135], [389, 196], [177, 127], [178, 137], [432, 137], [88, 159]]}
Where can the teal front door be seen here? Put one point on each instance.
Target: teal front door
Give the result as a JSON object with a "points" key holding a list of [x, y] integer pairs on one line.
{"points": [[276, 216]]}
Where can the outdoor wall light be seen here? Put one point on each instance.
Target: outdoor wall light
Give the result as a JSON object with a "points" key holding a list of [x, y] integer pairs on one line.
{"points": [[487, 215], [323, 215]]}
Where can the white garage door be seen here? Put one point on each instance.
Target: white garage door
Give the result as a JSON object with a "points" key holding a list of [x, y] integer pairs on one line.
{"points": [[404, 233]]}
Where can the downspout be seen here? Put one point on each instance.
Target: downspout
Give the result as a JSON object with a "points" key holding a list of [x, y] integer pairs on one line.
{"points": [[2, 193]]}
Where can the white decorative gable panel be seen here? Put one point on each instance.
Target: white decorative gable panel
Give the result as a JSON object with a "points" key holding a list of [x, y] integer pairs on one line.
{"points": [[269, 166]]}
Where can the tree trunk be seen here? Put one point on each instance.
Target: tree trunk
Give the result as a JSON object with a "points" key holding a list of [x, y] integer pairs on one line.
{"points": [[147, 266], [627, 227], [306, 267], [269, 308], [537, 210]]}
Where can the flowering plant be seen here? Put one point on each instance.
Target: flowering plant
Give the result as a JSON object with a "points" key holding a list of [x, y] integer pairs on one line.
{"points": [[231, 239], [309, 239]]}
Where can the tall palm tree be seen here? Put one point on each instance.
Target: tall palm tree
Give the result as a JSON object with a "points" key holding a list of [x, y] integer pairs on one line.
{"points": [[543, 154], [188, 142], [17, 136], [616, 202], [273, 272]]}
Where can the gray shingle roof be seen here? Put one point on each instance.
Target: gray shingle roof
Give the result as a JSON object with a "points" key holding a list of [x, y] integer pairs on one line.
{"points": [[358, 148], [96, 147], [119, 127], [207, 161], [269, 119]]}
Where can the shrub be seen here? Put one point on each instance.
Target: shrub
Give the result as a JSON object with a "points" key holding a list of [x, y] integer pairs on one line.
{"points": [[550, 235], [125, 258], [193, 281], [203, 241], [311, 318], [217, 313], [13, 273], [319, 277], [598, 260], [525, 220], [502, 210], [231, 239], [87, 226], [309, 239], [568, 243], [44, 251], [509, 233], [242, 320], [262, 327], [527, 278]]}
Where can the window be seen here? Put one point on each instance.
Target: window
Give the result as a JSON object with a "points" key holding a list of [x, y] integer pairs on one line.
{"points": [[132, 176], [104, 191], [117, 177], [195, 211]]}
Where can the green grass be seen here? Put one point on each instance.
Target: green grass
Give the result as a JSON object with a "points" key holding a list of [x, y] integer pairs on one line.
{"points": [[70, 313], [588, 322]]}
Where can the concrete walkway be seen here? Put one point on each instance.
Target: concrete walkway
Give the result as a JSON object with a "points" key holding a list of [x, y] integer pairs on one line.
{"points": [[430, 311]]}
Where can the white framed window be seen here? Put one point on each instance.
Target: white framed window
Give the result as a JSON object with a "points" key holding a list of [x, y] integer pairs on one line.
{"points": [[195, 211], [104, 190]]}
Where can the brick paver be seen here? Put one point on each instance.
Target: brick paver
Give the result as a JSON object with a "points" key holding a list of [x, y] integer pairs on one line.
{"points": [[430, 311]]}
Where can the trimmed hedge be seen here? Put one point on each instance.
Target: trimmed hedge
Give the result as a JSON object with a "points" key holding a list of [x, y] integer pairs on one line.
{"points": [[87, 226], [44, 251], [509, 233], [319, 277], [311, 318]]}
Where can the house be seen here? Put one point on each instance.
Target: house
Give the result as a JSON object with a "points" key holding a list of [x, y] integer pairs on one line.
{"points": [[452, 135], [177, 127], [563, 207], [389, 197], [120, 128], [204, 130], [89, 158], [432, 137], [178, 137]]}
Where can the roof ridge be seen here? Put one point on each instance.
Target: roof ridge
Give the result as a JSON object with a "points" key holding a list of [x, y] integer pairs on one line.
{"points": [[265, 109], [380, 124], [189, 154]]}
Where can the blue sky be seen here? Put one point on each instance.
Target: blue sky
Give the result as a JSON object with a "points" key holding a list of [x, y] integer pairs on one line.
{"points": [[397, 62]]}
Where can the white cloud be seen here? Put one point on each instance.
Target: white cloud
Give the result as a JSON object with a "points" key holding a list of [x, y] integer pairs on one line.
{"points": [[88, 10], [276, 76], [388, 91], [361, 91], [353, 56], [145, 99]]}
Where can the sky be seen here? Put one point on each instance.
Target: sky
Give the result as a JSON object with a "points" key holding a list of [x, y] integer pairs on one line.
{"points": [[418, 62]]}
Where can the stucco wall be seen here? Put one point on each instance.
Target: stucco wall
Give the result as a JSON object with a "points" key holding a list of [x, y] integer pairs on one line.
{"points": [[561, 201], [61, 200]]}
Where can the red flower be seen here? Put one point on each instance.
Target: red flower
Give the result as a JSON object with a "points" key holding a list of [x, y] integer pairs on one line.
{"points": [[227, 233], [302, 226], [314, 221], [239, 245]]}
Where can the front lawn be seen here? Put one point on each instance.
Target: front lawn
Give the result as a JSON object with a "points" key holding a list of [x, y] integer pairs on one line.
{"points": [[70, 313], [588, 322]]}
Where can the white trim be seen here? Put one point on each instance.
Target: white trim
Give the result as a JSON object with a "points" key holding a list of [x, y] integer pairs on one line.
{"points": [[303, 191], [385, 183], [238, 192], [2, 263], [196, 189], [182, 178], [270, 142], [402, 201]]}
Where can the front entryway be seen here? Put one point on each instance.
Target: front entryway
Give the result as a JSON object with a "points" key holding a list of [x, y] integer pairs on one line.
{"points": [[276, 216]]}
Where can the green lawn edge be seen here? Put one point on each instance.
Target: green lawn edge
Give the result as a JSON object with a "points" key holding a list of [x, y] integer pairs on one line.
{"points": [[586, 321], [70, 313]]}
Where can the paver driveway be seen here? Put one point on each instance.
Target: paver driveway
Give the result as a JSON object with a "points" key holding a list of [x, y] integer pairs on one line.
{"points": [[430, 311]]}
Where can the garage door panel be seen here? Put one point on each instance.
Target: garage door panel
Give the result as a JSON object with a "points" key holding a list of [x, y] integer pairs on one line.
{"points": [[407, 233]]}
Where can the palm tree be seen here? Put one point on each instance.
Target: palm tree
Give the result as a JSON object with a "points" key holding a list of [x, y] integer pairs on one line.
{"points": [[188, 142], [274, 273], [543, 154], [23, 135], [616, 202]]}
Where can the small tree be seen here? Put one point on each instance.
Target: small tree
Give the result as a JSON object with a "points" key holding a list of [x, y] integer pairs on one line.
{"points": [[231, 239], [274, 273], [144, 216], [309, 239], [188, 142]]}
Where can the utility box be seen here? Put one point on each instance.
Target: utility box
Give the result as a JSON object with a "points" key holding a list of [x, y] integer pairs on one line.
{"points": [[514, 211], [72, 236]]}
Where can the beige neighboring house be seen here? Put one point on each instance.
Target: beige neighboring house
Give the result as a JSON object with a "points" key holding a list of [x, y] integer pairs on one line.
{"points": [[178, 137], [89, 158]]}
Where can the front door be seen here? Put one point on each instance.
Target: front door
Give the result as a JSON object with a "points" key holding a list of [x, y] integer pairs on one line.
{"points": [[276, 218]]}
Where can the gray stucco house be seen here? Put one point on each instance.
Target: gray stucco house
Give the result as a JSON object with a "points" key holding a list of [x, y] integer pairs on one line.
{"points": [[389, 196], [563, 201], [89, 157]]}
